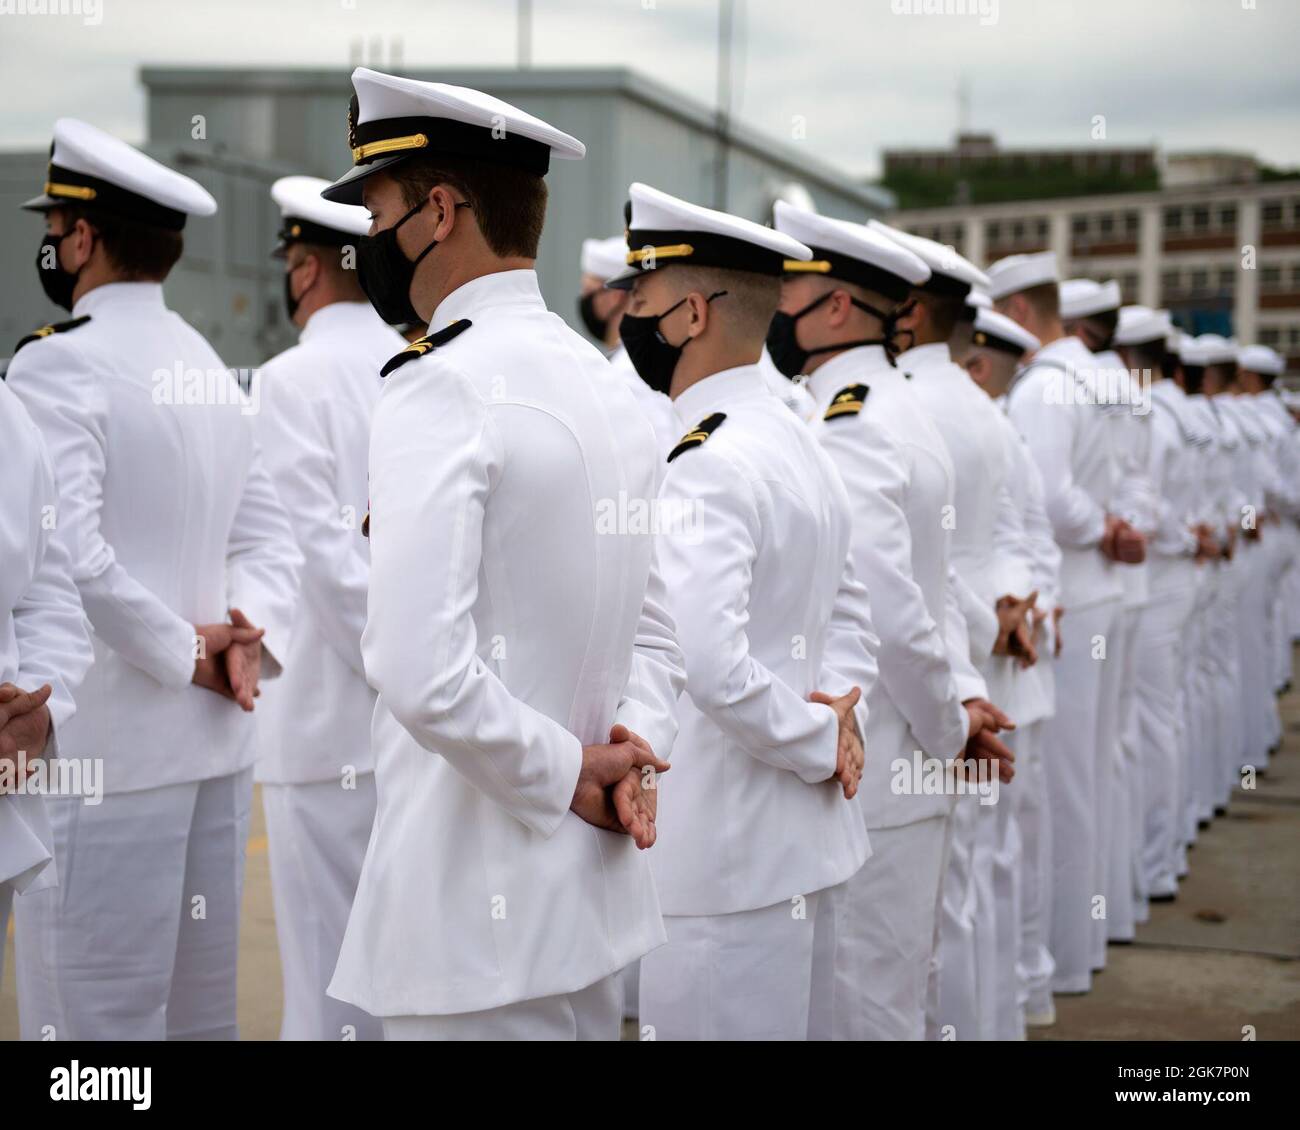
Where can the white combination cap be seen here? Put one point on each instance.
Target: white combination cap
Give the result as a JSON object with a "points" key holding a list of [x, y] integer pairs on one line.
{"points": [[393, 118], [997, 331], [89, 166], [1021, 272], [664, 231], [851, 252], [306, 218], [1140, 324], [1081, 298], [950, 273], [1261, 359], [604, 258]]}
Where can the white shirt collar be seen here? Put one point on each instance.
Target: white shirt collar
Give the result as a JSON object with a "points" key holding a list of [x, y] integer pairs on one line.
{"points": [[500, 288], [119, 294], [925, 356], [338, 318], [850, 367], [716, 391]]}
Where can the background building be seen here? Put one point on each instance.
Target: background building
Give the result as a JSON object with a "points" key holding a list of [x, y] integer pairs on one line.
{"points": [[236, 130], [1224, 258]]}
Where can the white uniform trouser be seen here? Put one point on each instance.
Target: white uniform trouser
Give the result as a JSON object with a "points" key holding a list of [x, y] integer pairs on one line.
{"points": [[317, 834], [6, 897], [884, 934], [1160, 667], [1075, 740], [1008, 1008], [139, 940], [956, 1010], [1033, 816], [1109, 822], [1254, 640], [1224, 648], [1125, 802], [742, 976], [593, 1013], [1203, 699]]}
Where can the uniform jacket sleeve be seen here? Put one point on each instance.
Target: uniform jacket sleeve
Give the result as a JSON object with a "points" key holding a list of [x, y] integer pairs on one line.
{"points": [[913, 651], [301, 463], [1077, 520], [658, 675], [262, 564], [63, 396], [434, 459], [49, 624], [709, 577]]}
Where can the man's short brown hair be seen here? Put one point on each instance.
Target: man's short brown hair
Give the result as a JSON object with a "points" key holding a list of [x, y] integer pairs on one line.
{"points": [[139, 251], [1044, 299], [509, 204]]}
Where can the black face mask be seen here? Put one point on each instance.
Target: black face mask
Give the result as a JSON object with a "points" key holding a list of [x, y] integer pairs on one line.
{"points": [[596, 325], [652, 357], [791, 359], [386, 274], [57, 283], [290, 303]]}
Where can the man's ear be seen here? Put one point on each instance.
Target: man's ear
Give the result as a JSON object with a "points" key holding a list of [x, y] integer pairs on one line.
{"points": [[442, 204], [79, 242], [698, 305]]}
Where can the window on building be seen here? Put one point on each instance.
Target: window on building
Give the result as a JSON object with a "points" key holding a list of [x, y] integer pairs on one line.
{"points": [[1170, 282], [1295, 276], [1227, 217], [1018, 232], [1271, 213], [1131, 223], [1270, 335], [1040, 230], [1079, 226], [1107, 224], [1200, 280], [1270, 278], [993, 232], [1227, 280], [1200, 219]]}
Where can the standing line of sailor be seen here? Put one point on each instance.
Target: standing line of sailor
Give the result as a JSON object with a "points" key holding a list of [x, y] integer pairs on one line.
{"points": [[852, 647]]}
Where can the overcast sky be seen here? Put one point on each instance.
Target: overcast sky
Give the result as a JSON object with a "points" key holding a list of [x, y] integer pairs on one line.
{"points": [[862, 74]]}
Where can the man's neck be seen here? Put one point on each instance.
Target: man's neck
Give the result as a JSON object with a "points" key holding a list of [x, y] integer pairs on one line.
{"points": [[691, 370], [428, 293]]}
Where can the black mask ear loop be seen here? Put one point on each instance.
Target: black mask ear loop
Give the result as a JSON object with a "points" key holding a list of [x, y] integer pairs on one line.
{"points": [[889, 327], [689, 339], [416, 261]]}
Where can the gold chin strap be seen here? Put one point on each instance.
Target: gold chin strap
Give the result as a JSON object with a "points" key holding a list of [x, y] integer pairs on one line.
{"points": [[821, 266], [672, 251], [388, 145], [71, 191]]}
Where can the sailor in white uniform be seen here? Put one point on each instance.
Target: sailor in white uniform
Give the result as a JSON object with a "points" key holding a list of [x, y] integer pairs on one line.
{"points": [[928, 700], [527, 673], [183, 557], [991, 348], [316, 765], [601, 309], [1090, 312], [1067, 435], [758, 818], [981, 919], [45, 653]]}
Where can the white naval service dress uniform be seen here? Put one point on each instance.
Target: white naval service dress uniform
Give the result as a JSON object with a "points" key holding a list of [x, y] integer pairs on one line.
{"points": [[1161, 659], [43, 638], [1069, 442], [316, 764], [899, 480], [171, 521], [988, 554], [751, 831], [507, 628]]}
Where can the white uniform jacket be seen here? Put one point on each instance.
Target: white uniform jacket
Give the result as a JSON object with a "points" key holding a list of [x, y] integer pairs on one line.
{"points": [[44, 637], [768, 610], [317, 399], [516, 614], [170, 521], [898, 476], [1070, 441]]}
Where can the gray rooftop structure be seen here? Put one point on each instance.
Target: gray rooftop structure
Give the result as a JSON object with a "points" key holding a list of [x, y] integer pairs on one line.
{"points": [[237, 129]]}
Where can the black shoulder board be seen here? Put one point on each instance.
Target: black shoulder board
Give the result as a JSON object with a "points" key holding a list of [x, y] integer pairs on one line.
{"points": [[847, 402], [698, 434], [425, 345], [56, 328]]}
